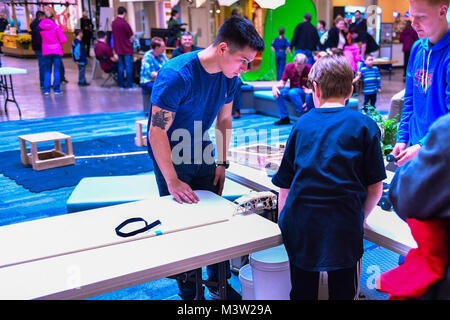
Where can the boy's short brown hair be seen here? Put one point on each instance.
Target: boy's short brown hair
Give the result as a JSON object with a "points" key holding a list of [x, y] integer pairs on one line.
{"points": [[334, 75]]}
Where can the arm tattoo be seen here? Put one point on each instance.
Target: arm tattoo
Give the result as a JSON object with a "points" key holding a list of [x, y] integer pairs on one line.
{"points": [[159, 119]]}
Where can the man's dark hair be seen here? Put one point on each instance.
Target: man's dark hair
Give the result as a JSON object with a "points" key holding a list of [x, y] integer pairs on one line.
{"points": [[323, 23], [238, 33], [358, 11], [40, 14], [121, 10], [101, 34], [307, 17], [173, 13], [77, 32]]}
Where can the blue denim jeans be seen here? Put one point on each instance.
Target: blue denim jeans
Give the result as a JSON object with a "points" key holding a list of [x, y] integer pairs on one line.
{"points": [[198, 177], [81, 73], [296, 96], [125, 64], [52, 61], [280, 62], [41, 65]]}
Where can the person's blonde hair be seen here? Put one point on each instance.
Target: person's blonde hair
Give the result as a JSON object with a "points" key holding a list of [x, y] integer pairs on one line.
{"points": [[334, 75], [49, 14], [300, 58]]}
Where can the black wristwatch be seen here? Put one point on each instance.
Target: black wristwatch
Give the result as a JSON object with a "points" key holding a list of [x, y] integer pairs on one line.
{"points": [[226, 164]]}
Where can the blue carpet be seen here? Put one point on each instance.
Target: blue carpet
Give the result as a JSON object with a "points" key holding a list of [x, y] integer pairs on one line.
{"points": [[67, 176]]}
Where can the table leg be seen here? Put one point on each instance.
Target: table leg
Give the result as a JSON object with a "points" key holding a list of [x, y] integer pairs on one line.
{"points": [[222, 281], [199, 295]]}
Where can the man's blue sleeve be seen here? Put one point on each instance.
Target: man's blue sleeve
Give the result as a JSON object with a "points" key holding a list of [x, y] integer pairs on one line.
{"points": [[169, 90]]}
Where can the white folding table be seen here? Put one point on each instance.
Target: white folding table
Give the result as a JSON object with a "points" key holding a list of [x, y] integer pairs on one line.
{"points": [[78, 255], [383, 228], [5, 74]]}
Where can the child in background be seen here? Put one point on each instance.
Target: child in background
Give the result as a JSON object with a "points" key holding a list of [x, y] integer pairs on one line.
{"points": [[371, 81], [79, 57], [279, 45], [330, 179]]}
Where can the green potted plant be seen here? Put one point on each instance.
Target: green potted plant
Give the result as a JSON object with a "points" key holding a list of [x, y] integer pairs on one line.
{"points": [[388, 128]]}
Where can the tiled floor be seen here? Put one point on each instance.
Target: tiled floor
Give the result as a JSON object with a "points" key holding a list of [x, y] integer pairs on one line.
{"points": [[95, 99]]}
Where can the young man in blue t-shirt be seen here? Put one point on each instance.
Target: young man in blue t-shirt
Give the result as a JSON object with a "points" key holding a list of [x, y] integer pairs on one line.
{"points": [[190, 92], [330, 179]]}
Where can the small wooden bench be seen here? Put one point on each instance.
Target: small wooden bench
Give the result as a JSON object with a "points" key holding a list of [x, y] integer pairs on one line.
{"points": [[49, 158]]}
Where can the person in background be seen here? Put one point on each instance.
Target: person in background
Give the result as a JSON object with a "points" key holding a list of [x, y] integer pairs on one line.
{"points": [[4, 24], [297, 73], [323, 34], [105, 54], [330, 178], [407, 38], [175, 29], [336, 35], [305, 39], [427, 88], [36, 45], [370, 76], [122, 39], [52, 39], [11, 24], [187, 44], [360, 23], [279, 45], [79, 56], [87, 27], [152, 62]]}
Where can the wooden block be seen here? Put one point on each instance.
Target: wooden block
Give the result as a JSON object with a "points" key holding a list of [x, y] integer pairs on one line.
{"points": [[49, 158], [141, 139]]}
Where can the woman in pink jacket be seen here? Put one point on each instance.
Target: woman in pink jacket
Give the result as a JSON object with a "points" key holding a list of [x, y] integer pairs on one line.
{"points": [[52, 39]]}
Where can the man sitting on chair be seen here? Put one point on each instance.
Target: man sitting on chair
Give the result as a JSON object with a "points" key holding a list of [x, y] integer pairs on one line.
{"points": [[104, 53], [297, 73]]}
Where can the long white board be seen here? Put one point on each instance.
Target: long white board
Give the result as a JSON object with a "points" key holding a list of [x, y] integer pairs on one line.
{"points": [[86, 230]]}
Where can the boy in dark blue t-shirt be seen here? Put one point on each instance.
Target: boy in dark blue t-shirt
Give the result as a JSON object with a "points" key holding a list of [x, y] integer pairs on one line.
{"points": [[190, 92], [330, 179]]}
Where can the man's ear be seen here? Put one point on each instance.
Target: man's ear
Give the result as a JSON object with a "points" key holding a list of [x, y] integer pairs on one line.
{"points": [[221, 48]]}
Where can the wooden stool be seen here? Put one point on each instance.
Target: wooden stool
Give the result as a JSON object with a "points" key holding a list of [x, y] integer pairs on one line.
{"points": [[49, 158], [140, 140]]}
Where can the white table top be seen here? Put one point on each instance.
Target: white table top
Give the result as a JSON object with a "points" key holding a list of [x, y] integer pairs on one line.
{"points": [[87, 273], [10, 70]]}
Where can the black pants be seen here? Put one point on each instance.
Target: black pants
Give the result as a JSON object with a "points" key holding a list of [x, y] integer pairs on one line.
{"points": [[370, 99], [342, 284], [406, 55]]}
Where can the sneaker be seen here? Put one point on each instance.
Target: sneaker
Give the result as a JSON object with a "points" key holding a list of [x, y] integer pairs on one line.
{"points": [[236, 114], [58, 92], [64, 80], [231, 293], [46, 93], [83, 84], [282, 121]]}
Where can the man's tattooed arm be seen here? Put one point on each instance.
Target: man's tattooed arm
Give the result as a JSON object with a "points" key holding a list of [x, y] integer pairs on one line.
{"points": [[162, 118]]}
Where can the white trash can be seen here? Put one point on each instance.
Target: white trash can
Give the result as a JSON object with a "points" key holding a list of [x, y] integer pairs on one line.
{"points": [[246, 280], [271, 274]]}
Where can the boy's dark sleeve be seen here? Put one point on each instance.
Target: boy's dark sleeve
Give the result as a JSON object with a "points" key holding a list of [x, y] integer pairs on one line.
{"points": [[283, 178], [420, 188], [374, 169]]}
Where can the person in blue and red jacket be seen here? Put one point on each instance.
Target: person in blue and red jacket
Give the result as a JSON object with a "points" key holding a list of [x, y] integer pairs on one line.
{"points": [[420, 194]]}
